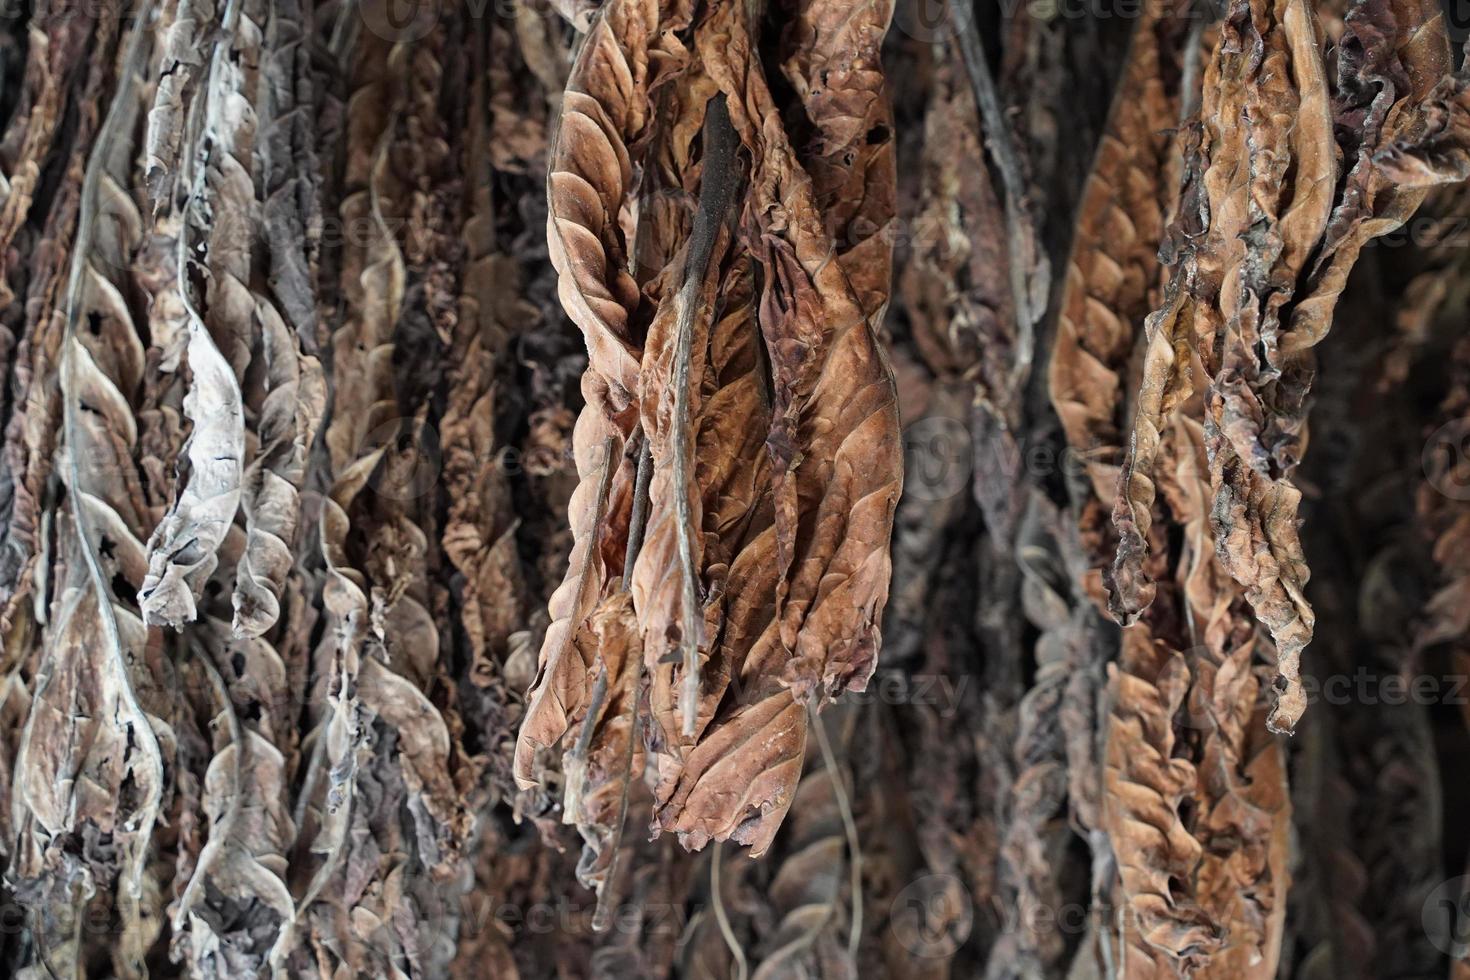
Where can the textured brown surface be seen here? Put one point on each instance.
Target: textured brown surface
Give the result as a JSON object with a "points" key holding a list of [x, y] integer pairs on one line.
{"points": [[641, 489]]}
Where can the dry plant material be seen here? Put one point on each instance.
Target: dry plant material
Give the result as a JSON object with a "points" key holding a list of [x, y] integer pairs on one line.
{"points": [[747, 360], [1274, 212], [90, 766], [453, 470]]}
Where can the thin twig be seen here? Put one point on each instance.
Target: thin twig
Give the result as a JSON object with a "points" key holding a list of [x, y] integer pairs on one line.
{"points": [[716, 193], [38, 936], [604, 488], [584, 737], [717, 187], [1024, 262], [1103, 870], [224, 829], [794, 948], [731, 940], [602, 917], [1189, 82], [638, 520], [575, 764], [849, 827]]}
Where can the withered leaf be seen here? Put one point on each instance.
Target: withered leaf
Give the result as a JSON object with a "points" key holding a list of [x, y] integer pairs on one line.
{"points": [[453, 470]]}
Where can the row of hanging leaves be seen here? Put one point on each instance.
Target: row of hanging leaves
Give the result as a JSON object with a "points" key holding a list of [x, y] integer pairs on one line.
{"points": [[425, 441]]}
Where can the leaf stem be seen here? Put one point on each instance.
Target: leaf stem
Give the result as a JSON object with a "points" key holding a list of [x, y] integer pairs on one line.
{"points": [[717, 187]]}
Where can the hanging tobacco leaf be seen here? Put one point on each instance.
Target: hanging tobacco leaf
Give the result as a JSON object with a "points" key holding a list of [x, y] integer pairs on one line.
{"points": [[638, 488]]}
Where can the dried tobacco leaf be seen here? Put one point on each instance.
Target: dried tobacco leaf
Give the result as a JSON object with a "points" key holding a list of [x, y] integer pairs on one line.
{"points": [[1113, 276], [551, 348], [1269, 229], [827, 584], [91, 765], [605, 108], [181, 550], [291, 397], [1217, 798], [790, 588], [54, 81]]}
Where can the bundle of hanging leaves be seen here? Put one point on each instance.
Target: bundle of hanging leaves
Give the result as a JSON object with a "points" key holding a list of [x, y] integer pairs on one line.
{"points": [[734, 489]]}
